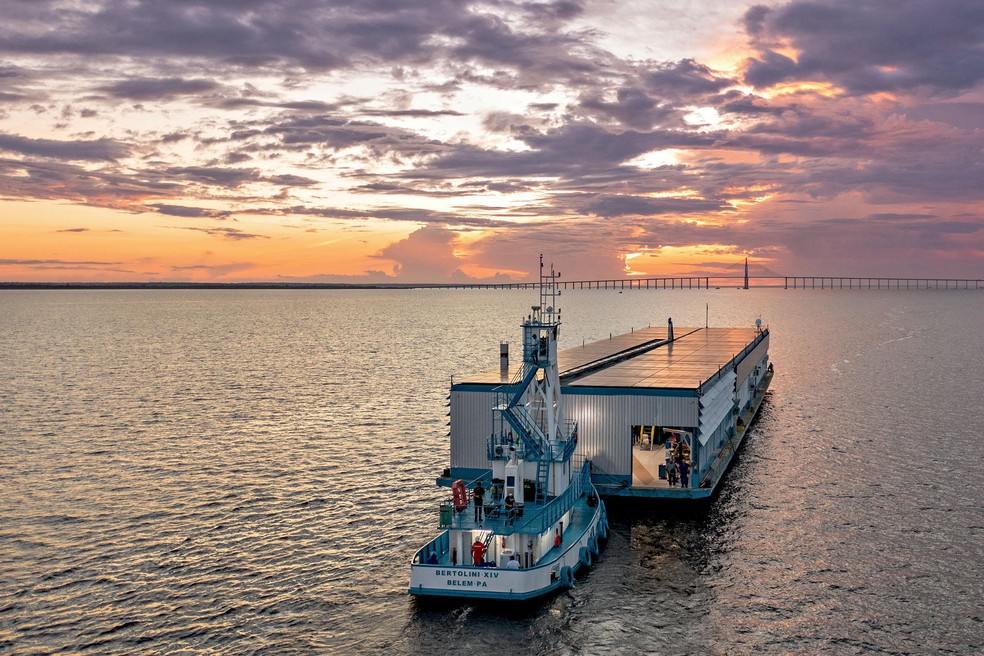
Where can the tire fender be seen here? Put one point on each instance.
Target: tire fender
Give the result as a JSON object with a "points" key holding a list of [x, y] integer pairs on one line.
{"points": [[585, 557]]}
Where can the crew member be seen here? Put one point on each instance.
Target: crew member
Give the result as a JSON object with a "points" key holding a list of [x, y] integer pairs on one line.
{"points": [[478, 496], [478, 552], [510, 504]]}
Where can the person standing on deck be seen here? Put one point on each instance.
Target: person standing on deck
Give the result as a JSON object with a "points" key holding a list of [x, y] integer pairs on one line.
{"points": [[510, 504], [478, 552], [478, 497], [684, 473], [671, 472]]}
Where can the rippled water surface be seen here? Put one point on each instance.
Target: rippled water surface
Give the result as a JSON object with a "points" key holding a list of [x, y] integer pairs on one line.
{"points": [[250, 471]]}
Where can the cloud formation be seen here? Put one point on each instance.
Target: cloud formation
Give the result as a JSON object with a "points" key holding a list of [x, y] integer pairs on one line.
{"points": [[934, 48], [461, 138]]}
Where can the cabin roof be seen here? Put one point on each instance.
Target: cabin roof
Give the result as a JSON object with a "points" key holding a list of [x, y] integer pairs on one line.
{"points": [[694, 357]]}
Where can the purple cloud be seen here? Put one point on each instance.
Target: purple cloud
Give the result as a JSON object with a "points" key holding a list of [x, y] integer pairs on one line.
{"points": [[919, 46], [88, 150]]}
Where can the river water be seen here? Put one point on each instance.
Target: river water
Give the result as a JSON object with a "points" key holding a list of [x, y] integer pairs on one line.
{"points": [[250, 471]]}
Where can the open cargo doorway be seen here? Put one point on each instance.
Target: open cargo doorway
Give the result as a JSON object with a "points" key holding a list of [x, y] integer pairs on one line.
{"points": [[652, 448]]}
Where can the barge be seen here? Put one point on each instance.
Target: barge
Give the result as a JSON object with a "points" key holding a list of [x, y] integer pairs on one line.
{"points": [[661, 411]]}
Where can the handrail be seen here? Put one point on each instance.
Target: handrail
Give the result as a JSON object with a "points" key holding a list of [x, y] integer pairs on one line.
{"points": [[522, 384], [722, 457], [556, 508], [571, 442], [734, 360], [619, 483], [542, 564], [569, 445], [527, 429], [546, 517], [449, 500], [500, 440]]}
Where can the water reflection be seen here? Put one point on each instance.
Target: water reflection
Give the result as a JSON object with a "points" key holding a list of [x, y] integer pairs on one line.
{"points": [[252, 472]]}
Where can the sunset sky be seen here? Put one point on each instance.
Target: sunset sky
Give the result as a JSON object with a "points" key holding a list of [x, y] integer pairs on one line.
{"points": [[437, 140]]}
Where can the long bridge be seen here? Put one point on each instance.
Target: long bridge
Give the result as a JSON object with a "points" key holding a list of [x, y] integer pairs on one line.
{"points": [[742, 282], [671, 282]]}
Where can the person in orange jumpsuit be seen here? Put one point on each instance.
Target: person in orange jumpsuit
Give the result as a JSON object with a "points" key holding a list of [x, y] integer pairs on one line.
{"points": [[478, 552]]}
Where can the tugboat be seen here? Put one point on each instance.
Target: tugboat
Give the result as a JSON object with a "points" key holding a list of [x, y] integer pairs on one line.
{"points": [[534, 518]]}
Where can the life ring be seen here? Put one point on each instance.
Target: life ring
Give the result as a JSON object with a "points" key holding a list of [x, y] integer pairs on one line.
{"points": [[593, 546], [460, 495], [567, 577], [585, 557]]}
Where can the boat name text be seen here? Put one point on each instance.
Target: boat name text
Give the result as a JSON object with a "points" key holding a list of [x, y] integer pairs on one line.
{"points": [[468, 574]]}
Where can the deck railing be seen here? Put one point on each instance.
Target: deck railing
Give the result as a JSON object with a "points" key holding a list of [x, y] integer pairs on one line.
{"points": [[497, 446], [734, 361], [539, 522], [486, 480], [571, 441], [555, 509]]}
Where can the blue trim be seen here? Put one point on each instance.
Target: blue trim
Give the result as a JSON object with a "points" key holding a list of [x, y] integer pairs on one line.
{"points": [[464, 473], [474, 387], [598, 391], [515, 596], [630, 391], [662, 493]]}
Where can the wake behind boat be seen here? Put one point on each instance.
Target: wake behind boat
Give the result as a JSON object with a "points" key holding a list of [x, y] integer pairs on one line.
{"points": [[533, 518]]}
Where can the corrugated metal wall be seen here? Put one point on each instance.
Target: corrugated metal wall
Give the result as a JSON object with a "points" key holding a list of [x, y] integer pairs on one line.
{"points": [[605, 424], [471, 425]]}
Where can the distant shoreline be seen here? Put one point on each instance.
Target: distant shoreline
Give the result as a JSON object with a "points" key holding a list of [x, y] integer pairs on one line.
{"points": [[213, 285]]}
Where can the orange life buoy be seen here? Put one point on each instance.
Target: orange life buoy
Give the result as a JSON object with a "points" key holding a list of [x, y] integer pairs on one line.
{"points": [[460, 495]]}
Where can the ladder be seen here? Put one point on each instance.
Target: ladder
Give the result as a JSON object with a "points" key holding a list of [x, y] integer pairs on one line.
{"points": [[542, 478]]}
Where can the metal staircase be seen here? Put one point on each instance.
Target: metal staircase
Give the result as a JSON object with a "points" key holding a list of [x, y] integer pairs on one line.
{"points": [[517, 416]]}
